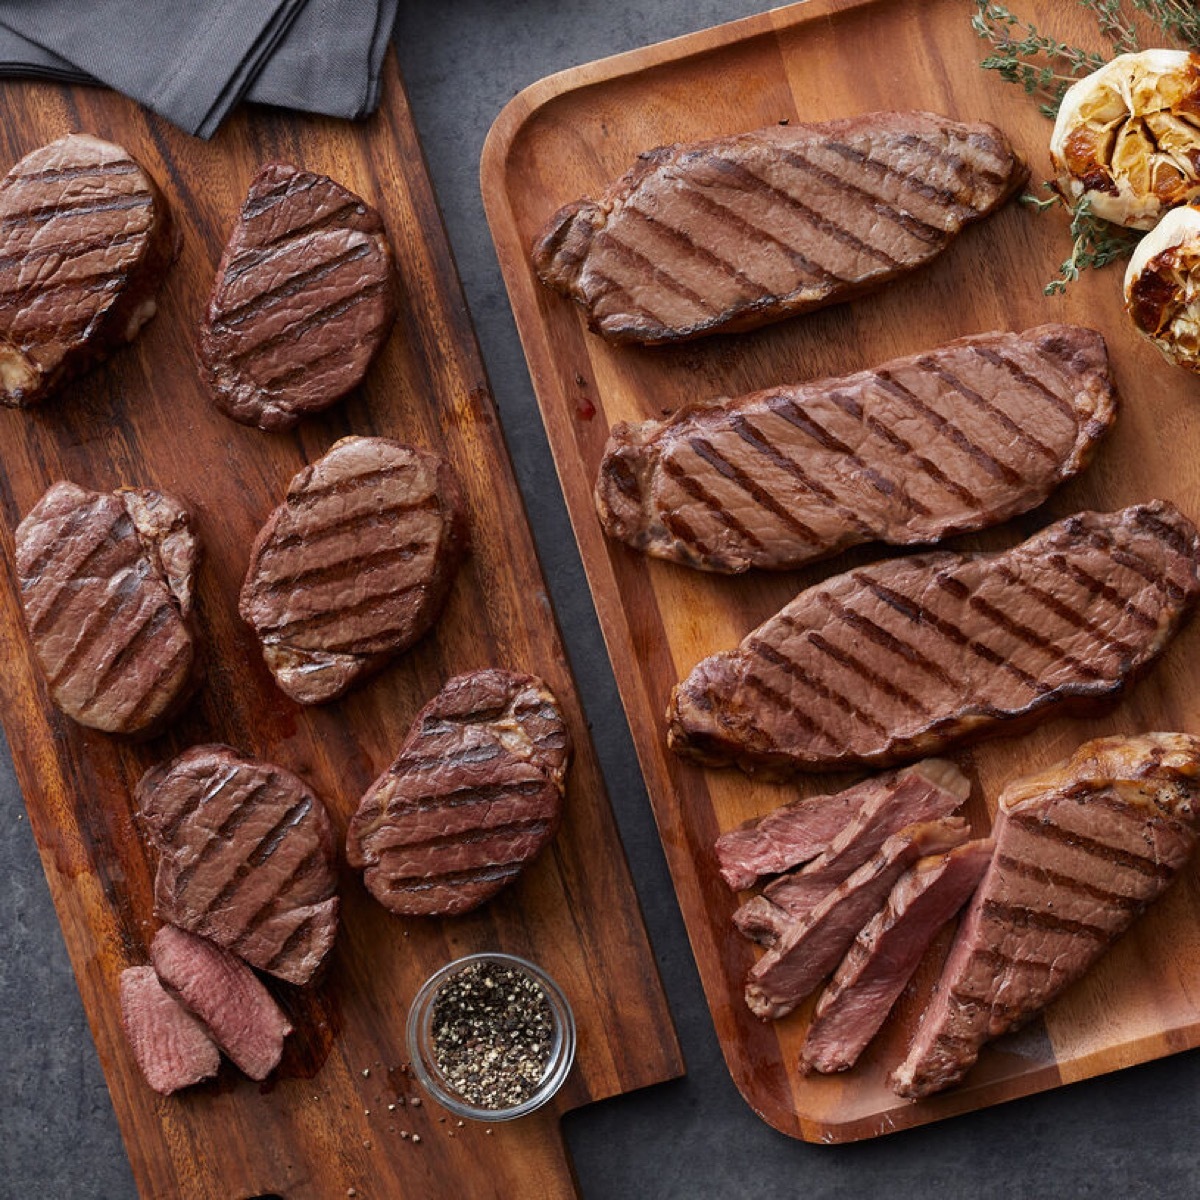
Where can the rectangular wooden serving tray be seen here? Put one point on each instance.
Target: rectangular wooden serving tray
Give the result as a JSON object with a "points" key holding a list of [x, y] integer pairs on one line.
{"points": [[571, 134], [321, 1124]]}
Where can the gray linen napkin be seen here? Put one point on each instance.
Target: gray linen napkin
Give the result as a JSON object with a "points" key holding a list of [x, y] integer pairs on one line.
{"points": [[193, 60]]}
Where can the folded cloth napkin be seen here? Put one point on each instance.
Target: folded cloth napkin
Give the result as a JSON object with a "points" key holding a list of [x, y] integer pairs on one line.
{"points": [[193, 60]]}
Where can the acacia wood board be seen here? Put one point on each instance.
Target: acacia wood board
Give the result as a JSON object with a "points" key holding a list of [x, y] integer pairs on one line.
{"points": [[322, 1124], [567, 137]]}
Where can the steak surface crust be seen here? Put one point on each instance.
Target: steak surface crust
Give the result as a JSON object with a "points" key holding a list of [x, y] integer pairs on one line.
{"points": [[733, 233], [902, 658], [85, 239], [474, 795], [303, 301], [106, 587], [918, 449], [246, 858], [354, 566], [1081, 850]]}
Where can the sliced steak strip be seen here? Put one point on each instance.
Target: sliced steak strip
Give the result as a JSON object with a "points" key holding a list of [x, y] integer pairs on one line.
{"points": [[85, 239], [106, 586], [733, 233], [925, 792], [303, 300], [1081, 850], [920, 448], [172, 1048], [246, 858], [354, 566], [809, 948], [473, 796], [903, 658], [885, 954], [226, 995]]}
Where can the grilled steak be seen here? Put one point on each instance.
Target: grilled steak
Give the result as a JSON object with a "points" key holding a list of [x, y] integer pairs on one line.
{"points": [[903, 658], [85, 239], [171, 1046], [733, 233], [106, 585], [920, 448], [246, 858], [473, 796], [1081, 850], [303, 300], [354, 566], [226, 995], [886, 952], [915, 795], [810, 947]]}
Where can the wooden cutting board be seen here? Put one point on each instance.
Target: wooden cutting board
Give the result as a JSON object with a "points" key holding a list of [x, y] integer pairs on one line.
{"points": [[567, 137], [332, 1118]]}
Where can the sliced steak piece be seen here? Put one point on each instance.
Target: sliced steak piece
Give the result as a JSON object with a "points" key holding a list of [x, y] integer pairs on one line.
{"points": [[106, 585], [1081, 850], [906, 657], [354, 566], [172, 1048], [246, 858], [473, 796], [226, 995], [915, 795], [885, 954], [303, 300], [733, 233], [809, 948], [85, 239], [918, 449]]}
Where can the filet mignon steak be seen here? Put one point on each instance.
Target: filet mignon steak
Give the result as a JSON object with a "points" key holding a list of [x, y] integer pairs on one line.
{"points": [[733, 233], [85, 239], [303, 300], [920, 448], [171, 1046], [903, 658], [106, 586], [473, 796], [1081, 850], [354, 566], [246, 858]]}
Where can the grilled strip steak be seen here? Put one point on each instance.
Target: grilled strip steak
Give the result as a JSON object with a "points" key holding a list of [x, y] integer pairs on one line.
{"points": [[925, 792], [730, 234], [906, 657], [172, 1048], [302, 303], [106, 587], [1081, 850], [810, 947], [473, 796], [85, 239], [885, 954], [226, 995], [918, 449], [246, 858], [354, 566]]}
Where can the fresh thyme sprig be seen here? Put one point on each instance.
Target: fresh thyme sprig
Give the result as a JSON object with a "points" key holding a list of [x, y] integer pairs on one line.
{"points": [[1110, 16], [1094, 242], [1178, 19]]}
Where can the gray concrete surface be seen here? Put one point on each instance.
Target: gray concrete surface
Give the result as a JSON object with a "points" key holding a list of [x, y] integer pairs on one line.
{"points": [[1128, 1135]]}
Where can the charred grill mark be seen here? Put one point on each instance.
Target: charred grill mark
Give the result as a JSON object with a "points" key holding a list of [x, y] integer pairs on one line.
{"points": [[290, 820], [940, 196], [312, 494], [1070, 883], [702, 253], [70, 249], [98, 622], [85, 207], [306, 230], [204, 792], [276, 632], [701, 494], [298, 937], [65, 534], [947, 429], [784, 704], [116, 166], [683, 532], [345, 527], [1172, 535], [447, 760], [1029, 382], [823, 224], [857, 667], [1019, 917], [291, 185], [965, 171], [1132, 561], [339, 570], [606, 239], [1141, 864], [1031, 637], [470, 795], [136, 648], [241, 808], [536, 826], [455, 880], [104, 280], [921, 230]]}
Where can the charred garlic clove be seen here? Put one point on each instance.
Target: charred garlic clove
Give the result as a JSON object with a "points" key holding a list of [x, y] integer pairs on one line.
{"points": [[1162, 286], [1128, 137]]}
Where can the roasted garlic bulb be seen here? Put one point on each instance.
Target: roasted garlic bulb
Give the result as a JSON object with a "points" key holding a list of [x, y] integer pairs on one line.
{"points": [[1128, 137], [1162, 286]]}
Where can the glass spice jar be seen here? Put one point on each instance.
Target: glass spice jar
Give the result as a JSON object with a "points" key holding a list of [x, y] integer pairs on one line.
{"points": [[491, 1037]]}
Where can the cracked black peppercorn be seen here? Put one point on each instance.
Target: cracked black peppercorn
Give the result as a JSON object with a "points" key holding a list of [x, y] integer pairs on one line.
{"points": [[493, 1033]]}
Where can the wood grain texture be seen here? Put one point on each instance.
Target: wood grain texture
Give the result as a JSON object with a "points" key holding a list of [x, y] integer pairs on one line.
{"points": [[567, 137], [322, 1123]]}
